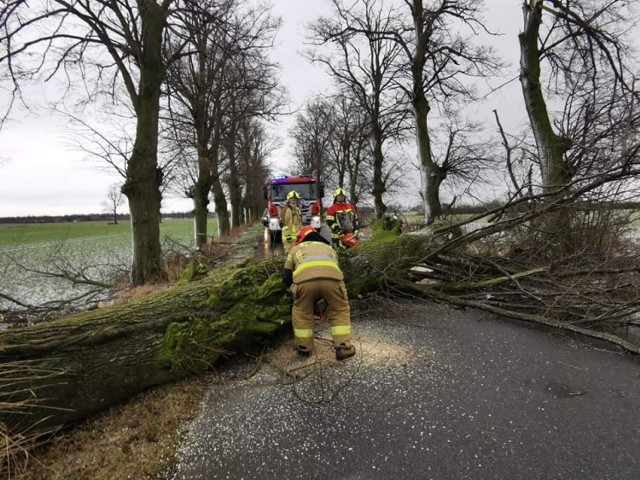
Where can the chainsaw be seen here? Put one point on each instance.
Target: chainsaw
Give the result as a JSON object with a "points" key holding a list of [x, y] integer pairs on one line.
{"points": [[348, 240]]}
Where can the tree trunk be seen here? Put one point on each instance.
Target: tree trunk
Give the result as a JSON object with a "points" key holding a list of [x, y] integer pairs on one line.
{"points": [[219, 198], [142, 185], [378, 162], [56, 373], [433, 178], [201, 191], [235, 189], [222, 211], [551, 147], [432, 174]]}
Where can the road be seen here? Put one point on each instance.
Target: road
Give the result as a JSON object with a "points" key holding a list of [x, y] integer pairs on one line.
{"points": [[434, 393]]}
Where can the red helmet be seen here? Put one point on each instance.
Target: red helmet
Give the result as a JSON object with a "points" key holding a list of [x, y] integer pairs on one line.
{"points": [[303, 232]]}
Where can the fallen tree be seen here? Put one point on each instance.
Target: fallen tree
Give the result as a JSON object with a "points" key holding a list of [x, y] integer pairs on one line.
{"points": [[55, 373]]}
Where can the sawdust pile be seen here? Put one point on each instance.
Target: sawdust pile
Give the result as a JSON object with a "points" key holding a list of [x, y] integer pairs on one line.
{"points": [[371, 351]]}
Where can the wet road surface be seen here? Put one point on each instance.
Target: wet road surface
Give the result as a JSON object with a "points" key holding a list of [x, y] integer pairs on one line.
{"points": [[433, 393]]}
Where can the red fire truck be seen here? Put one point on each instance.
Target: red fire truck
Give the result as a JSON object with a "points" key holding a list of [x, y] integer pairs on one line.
{"points": [[275, 192]]}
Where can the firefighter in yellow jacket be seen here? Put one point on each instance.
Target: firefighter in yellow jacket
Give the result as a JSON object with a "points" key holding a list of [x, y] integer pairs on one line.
{"points": [[312, 272], [291, 218]]}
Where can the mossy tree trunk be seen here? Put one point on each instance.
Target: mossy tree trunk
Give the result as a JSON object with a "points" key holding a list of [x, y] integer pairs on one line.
{"points": [[56, 373], [144, 177]]}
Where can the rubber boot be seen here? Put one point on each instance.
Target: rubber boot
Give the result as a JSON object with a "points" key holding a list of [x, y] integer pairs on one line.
{"points": [[344, 351]]}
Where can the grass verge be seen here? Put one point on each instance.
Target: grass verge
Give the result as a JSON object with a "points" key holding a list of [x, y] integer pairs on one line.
{"points": [[134, 440]]}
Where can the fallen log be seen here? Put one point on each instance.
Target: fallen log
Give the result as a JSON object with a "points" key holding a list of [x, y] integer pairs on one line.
{"points": [[56, 373]]}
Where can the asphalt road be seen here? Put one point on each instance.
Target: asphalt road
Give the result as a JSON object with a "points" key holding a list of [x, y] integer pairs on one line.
{"points": [[433, 393]]}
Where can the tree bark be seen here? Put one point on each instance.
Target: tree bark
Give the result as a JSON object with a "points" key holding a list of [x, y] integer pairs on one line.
{"points": [[378, 161], [222, 211], [235, 188], [432, 175], [201, 191], [56, 373], [551, 147], [142, 185]]}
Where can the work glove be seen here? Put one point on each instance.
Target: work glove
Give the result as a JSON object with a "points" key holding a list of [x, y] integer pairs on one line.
{"points": [[356, 233], [289, 239]]}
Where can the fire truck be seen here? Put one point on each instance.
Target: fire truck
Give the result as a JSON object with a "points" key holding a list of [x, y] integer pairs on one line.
{"points": [[275, 192]]}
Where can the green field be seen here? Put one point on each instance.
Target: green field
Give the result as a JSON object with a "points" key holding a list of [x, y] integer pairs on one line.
{"points": [[179, 230], [94, 250]]}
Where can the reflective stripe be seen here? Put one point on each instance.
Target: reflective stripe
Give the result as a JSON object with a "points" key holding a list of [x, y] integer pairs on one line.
{"points": [[317, 257], [303, 332], [341, 330], [318, 263]]}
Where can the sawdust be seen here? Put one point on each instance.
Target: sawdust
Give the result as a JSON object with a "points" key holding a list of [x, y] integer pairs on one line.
{"points": [[371, 352]]}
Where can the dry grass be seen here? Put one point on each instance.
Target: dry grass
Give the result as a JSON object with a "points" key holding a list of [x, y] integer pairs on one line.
{"points": [[135, 440]]}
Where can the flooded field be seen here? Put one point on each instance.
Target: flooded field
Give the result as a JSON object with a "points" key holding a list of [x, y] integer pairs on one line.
{"points": [[34, 259]]}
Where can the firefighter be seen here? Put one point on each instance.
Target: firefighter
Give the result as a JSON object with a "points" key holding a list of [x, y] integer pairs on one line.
{"points": [[312, 272], [342, 218], [291, 219]]}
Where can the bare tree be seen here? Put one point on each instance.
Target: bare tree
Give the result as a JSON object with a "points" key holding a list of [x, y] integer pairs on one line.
{"points": [[584, 46], [332, 138], [312, 133], [350, 151], [211, 92], [256, 95], [437, 60], [255, 147], [366, 67], [464, 154], [113, 201], [197, 87], [106, 44]]}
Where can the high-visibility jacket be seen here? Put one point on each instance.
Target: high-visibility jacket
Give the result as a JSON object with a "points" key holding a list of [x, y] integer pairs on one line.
{"points": [[342, 217], [291, 221], [311, 261]]}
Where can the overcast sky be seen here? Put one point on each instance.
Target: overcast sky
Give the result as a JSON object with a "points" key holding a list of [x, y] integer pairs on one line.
{"points": [[42, 173]]}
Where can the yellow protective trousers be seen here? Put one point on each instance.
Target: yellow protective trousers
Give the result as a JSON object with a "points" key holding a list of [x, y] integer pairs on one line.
{"points": [[339, 314]]}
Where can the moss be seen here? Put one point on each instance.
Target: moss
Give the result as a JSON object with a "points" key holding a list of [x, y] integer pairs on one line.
{"points": [[194, 346], [388, 223], [244, 307], [195, 270]]}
